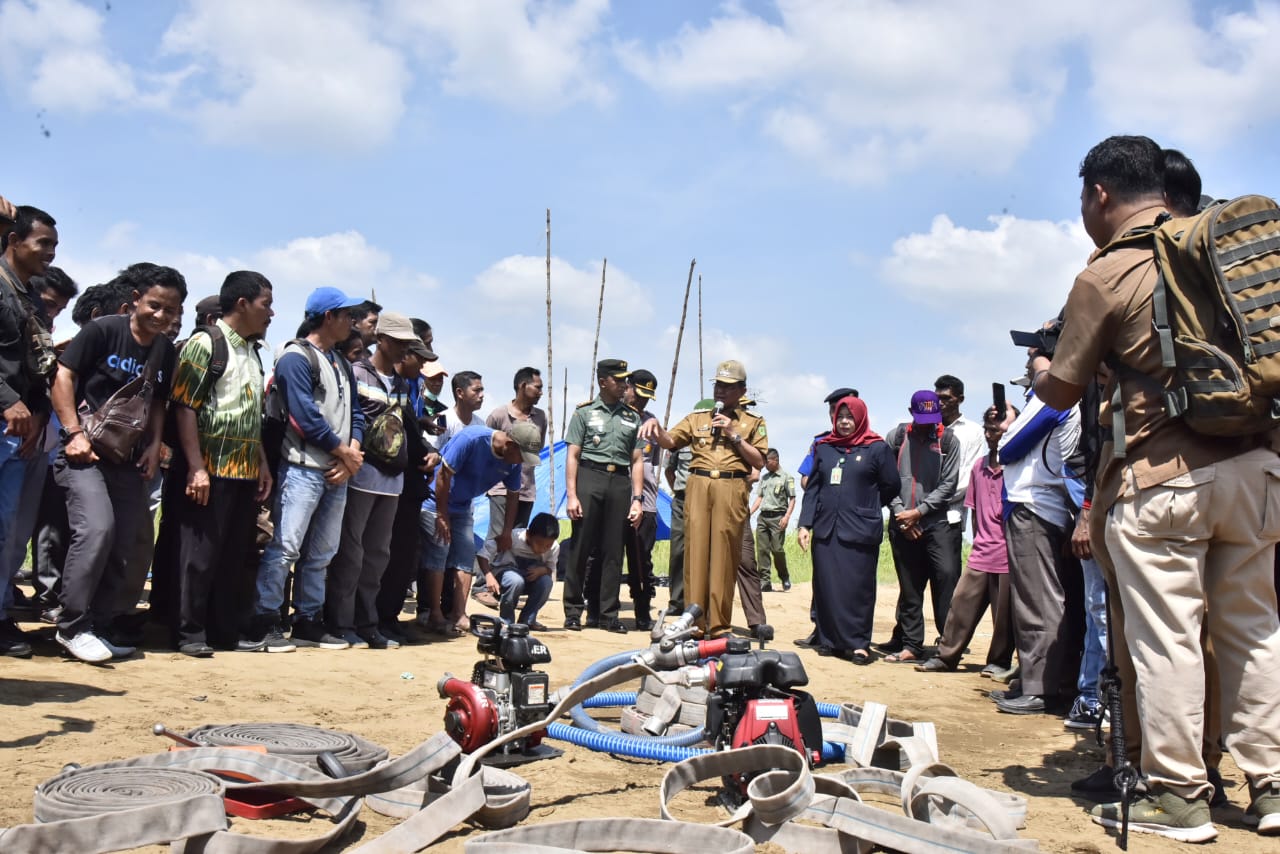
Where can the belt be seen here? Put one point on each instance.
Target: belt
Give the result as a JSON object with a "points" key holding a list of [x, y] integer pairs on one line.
{"points": [[607, 468], [771, 512], [717, 474]]}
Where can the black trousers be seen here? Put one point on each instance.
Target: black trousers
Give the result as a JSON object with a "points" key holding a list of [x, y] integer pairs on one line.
{"points": [[213, 590], [167, 558], [749, 586], [355, 573], [931, 561], [639, 548], [606, 499], [402, 564]]}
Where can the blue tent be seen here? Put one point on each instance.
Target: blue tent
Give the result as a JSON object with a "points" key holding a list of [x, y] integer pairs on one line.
{"points": [[542, 504]]}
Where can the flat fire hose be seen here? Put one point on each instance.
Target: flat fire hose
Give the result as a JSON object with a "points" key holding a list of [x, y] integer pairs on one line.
{"points": [[788, 791], [168, 797]]}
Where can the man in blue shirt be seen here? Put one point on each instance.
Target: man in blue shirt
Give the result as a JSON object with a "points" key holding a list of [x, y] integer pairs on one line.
{"points": [[473, 461]]}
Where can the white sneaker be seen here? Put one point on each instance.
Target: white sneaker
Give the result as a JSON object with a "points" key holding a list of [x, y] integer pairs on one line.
{"points": [[86, 646]]}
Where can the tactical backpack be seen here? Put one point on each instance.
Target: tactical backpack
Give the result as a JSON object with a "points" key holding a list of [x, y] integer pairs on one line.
{"points": [[1216, 313]]}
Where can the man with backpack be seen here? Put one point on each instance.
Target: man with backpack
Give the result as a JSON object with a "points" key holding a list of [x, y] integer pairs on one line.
{"points": [[919, 534], [313, 397], [356, 572], [1184, 522], [217, 403]]}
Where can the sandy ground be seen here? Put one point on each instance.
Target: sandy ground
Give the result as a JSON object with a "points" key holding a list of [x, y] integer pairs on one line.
{"points": [[54, 710]]}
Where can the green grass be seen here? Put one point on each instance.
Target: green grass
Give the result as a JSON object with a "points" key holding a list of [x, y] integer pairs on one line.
{"points": [[800, 564]]}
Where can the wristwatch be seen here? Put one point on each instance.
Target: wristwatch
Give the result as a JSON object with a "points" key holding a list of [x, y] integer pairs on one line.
{"points": [[736, 438], [64, 435], [639, 498]]}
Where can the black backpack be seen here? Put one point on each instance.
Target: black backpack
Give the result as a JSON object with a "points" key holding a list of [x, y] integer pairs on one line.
{"points": [[275, 415], [218, 358]]}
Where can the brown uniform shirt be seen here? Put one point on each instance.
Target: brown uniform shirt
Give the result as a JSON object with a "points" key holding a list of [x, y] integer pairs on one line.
{"points": [[695, 431], [1109, 314]]}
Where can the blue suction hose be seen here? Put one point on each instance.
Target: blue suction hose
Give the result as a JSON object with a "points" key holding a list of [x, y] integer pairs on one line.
{"points": [[586, 722]]}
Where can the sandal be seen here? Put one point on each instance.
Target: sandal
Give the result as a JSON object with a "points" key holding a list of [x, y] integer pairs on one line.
{"points": [[861, 657], [904, 657]]}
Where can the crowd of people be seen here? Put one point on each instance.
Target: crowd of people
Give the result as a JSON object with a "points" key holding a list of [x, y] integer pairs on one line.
{"points": [[301, 511]]}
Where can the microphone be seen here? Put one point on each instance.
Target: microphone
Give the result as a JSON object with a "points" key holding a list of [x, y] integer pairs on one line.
{"points": [[715, 431]]}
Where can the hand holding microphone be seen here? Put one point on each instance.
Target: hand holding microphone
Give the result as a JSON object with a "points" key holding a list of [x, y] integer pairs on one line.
{"points": [[715, 428]]}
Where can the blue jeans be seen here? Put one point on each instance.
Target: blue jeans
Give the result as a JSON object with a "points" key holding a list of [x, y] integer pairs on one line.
{"points": [[308, 520], [460, 553], [13, 469], [514, 585], [1095, 637]]}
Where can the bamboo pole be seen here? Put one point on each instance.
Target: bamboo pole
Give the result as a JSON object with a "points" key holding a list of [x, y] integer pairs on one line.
{"points": [[675, 363], [701, 376], [564, 405], [595, 346], [551, 409]]}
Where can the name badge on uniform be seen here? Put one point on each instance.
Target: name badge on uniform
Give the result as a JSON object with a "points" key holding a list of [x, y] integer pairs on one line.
{"points": [[836, 474]]}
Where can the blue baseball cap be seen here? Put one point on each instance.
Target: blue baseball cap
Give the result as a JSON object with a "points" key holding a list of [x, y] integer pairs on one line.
{"points": [[330, 299]]}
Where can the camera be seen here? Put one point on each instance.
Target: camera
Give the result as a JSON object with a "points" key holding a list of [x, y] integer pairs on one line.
{"points": [[1044, 339]]}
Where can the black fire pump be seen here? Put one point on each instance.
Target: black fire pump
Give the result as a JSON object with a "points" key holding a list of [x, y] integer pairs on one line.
{"points": [[755, 701], [505, 694]]}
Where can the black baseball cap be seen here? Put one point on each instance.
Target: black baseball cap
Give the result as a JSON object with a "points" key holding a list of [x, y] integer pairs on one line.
{"points": [[839, 394]]}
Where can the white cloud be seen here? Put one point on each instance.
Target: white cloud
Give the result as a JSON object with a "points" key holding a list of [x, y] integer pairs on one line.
{"points": [[1202, 84], [1022, 266], [289, 74], [53, 52], [518, 285], [522, 54], [869, 88]]}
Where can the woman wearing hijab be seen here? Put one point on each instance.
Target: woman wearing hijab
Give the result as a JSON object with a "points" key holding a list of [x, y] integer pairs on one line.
{"points": [[854, 475]]}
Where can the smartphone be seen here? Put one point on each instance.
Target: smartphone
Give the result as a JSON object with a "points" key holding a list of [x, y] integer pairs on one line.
{"points": [[997, 395]]}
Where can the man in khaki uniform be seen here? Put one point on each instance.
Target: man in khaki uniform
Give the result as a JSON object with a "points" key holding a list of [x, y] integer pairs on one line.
{"points": [[1185, 524], [604, 491], [727, 442]]}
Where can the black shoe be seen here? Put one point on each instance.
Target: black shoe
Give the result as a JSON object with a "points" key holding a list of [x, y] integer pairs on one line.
{"points": [[377, 640], [616, 627], [809, 641], [889, 647], [1100, 785], [592, 623], [1026, 704], [391, 631], [824, 651], [934, 665], [1014, 692], [573, 624], [644, 625], [786, 585], [312, 633], [767, 589], [198, 649], [13, 640]]}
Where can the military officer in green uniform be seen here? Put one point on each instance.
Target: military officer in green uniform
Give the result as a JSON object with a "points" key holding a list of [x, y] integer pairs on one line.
{"points": [[775, 499], [604, 491]]}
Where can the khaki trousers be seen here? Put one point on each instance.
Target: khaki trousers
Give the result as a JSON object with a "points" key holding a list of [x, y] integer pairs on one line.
{"points": [[715, 510], [1196, 553]]}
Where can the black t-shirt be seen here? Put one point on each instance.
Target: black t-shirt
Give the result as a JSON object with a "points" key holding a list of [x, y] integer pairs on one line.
{"points": [[106, 357]]}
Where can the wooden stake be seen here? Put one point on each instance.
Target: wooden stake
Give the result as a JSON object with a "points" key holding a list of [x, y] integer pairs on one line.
{"points": [[551, 409], [701, 376], [595, 347], [675, 363]]}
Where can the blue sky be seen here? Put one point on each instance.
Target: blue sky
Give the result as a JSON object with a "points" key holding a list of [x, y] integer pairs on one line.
{"points": [[876, 192]]}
